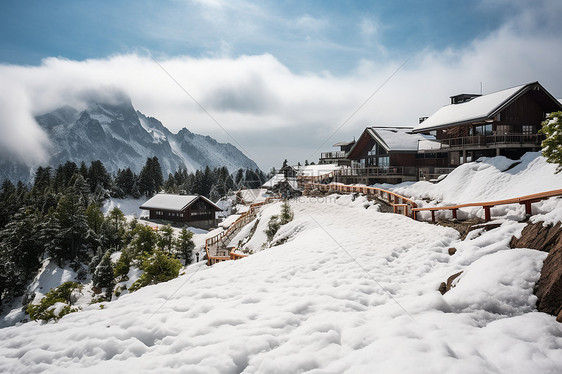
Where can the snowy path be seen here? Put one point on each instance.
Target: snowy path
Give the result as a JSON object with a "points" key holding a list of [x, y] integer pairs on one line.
{"points": [[351, 290]]}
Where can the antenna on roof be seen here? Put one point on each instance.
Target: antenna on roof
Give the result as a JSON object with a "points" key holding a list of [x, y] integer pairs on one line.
{"points": [[481, 88]]}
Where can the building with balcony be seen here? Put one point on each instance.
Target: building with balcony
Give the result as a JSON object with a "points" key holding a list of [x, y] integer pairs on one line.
{"points": [[390, 155], [501, 123], [337, 157]]}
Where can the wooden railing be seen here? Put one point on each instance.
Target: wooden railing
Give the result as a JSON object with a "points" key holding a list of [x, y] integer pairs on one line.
{"points": [[489, 140], [399, 203], [215, 246], [523, 200]]}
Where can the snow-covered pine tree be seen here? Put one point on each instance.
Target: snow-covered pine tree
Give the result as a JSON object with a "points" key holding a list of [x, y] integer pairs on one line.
{"points": [[185, 245], [104, 274], [552, 145]]}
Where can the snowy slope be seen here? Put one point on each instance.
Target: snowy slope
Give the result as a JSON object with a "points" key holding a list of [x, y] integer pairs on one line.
{"points": [[352, 290]]}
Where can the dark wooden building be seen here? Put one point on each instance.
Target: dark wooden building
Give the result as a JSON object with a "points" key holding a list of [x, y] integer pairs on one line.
{"points": [[193, 210], [390, 155], [501, 123]]}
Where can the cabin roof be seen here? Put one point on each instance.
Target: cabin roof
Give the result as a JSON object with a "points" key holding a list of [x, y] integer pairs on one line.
{"points": [[480, 108], [393, 139], [279, 178], [341, 144], [174, 202]]}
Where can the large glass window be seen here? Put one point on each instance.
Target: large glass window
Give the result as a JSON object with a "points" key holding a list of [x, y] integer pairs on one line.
{"points": [[384, 162], [483, 130], [527, 129]]}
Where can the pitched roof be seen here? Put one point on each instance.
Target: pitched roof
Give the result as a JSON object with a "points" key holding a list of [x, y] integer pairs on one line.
{"points": [[339, 144], [395, 138], [173, 202], [478, 109]]}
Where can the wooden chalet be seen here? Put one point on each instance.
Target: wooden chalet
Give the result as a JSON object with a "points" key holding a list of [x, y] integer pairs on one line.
{"points": [[501, 123], [193, 210], [390, 155]]}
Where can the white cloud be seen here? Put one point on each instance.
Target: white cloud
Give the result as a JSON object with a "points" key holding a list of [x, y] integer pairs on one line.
{"points": [[272, 112]]}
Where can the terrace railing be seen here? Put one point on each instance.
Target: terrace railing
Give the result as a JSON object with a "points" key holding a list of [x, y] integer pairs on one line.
{"points": [[491, 140]]}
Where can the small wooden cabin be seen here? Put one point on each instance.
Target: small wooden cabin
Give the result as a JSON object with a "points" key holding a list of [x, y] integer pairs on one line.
{"points": [[194, 210], [501, 123]]}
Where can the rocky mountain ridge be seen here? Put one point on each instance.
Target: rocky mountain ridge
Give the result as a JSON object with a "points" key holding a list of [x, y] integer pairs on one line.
{"points": [[122, 137]]}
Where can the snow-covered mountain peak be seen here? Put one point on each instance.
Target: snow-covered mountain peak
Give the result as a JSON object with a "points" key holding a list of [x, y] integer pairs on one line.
{"points": [[114, 132]]}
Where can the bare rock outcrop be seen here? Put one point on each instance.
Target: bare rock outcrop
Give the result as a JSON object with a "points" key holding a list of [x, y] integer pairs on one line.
{"points": [[549, 286]]}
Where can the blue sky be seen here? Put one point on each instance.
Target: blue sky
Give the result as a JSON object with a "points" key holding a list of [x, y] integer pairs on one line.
{"points": [[303, 35], [282, 78]]}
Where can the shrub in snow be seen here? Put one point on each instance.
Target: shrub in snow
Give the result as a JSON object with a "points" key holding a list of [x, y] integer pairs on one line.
{"points": [[158, 267], [552, 145], [56, 303], [286, 213], [275, 222], [272, 227]]}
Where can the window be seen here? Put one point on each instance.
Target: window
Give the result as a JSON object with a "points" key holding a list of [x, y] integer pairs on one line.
{"points": [[384, 162], [527, 129], [502, 130], [373, 150], [483, 130]]}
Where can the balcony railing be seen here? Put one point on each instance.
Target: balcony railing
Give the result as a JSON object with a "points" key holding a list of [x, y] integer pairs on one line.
{"points": [[373, 171], [492, 140], [333, 155]]}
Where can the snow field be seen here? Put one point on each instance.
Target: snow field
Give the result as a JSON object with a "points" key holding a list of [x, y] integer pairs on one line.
{"points": [[352, 290]]}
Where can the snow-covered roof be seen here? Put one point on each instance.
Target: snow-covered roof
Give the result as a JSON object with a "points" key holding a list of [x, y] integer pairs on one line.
{"points": [[430, 145], [173, 202], [396, 138], [278, 178], [316, 170], [478, 109], [340, 144]]}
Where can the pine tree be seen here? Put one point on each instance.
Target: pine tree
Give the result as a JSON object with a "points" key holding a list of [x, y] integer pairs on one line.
{"points": [[552, 145], [98, 176], [21, 242], [103, 275], [8, 202], [166, 239], [239, 177], [74, 226], [144, 240], [51, 236], [94, 217], [151, 179], [185, 245], [113, 229]]}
